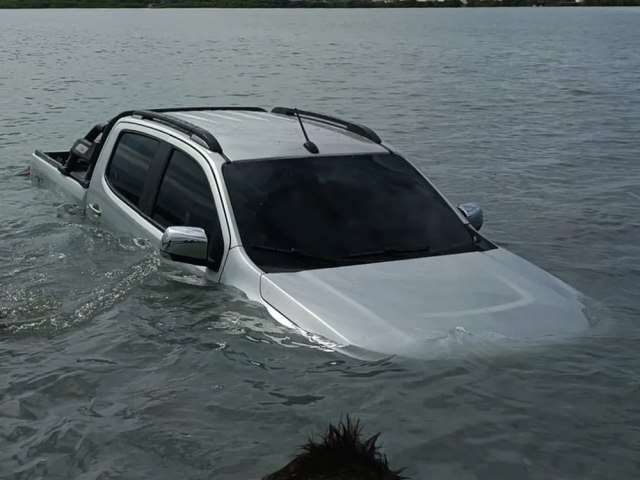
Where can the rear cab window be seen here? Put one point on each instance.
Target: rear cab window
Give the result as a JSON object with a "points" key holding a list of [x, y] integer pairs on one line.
{"points": [[130, 163]]}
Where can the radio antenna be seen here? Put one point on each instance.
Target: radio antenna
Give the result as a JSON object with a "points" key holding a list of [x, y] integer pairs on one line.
{"points": [[309, 145]]}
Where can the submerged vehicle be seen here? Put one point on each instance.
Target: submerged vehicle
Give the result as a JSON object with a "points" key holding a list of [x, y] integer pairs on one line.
{"points": [[314, 217]]}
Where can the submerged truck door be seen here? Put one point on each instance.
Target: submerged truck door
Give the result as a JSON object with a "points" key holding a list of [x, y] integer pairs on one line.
{"points": [[147, 180], [120, 177]]}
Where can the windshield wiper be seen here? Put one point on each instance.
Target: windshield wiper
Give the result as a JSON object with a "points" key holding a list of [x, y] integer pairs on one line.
{"points": [[390, 252], [295, 252]]}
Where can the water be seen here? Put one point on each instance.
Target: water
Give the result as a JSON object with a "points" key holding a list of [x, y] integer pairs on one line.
{"points": [[115, 366]]}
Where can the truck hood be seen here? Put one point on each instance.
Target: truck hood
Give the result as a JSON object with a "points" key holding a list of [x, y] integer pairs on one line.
{"points": [[398, 306]]}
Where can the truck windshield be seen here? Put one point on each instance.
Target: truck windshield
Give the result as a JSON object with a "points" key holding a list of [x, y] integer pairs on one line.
{"points": [[318, 212]]}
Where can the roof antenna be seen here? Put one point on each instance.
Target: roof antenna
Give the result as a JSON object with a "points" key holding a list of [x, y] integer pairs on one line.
{"points": [[309, 145]]}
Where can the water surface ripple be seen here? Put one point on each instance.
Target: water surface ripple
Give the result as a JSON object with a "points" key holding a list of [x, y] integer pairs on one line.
{"points": [[115, 365]]}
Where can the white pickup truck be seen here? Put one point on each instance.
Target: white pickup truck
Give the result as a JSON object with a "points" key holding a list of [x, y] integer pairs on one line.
{"points": [[316, 218]]}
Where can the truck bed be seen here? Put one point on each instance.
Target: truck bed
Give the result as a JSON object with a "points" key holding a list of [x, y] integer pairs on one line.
{"points": [[45, 170], [58, 159]]}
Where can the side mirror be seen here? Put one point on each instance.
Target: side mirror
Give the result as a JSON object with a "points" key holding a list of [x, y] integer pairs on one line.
{"points": [[185, 245], [474, 214]]}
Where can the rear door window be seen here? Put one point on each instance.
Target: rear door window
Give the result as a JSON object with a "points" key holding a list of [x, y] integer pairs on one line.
{"points": [[129, 165], [185, 199]]}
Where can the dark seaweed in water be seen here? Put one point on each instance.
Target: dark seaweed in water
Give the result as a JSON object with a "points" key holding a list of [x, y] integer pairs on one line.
{"points": [[114, 365]]}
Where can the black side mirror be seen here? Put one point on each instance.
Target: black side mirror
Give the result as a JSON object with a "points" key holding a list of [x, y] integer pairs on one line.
{"points": [[474, 214]]}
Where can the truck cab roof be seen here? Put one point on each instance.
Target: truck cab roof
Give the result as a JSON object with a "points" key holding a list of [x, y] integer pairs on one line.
{"points": [[249, 133]]}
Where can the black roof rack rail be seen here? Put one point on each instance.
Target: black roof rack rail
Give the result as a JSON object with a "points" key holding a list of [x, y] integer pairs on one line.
{"points": [[204, 109], [356, 128], [203, 135]]}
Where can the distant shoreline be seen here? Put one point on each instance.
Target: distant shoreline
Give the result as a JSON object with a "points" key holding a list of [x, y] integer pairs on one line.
{"points": [[42, 4]]}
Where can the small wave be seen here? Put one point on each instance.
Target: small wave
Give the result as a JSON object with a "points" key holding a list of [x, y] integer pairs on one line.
{"points": [[41, 311], [578, 92]]}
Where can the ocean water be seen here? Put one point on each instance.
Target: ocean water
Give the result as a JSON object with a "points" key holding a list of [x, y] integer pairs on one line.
{"points": [[115, 366]]}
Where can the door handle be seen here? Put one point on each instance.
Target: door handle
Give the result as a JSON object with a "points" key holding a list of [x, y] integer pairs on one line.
{"points": [[94, 208]]}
